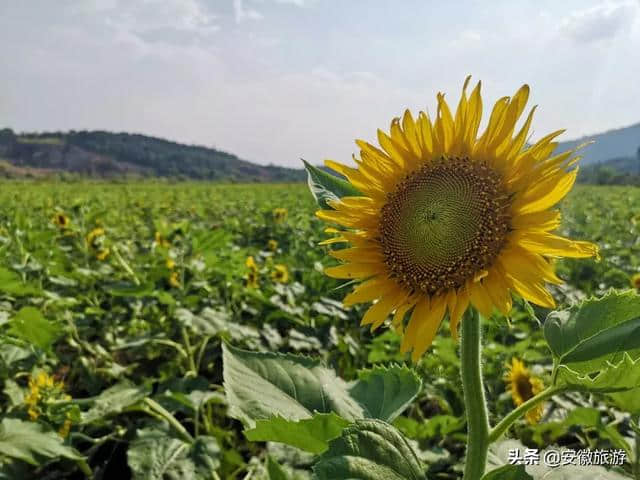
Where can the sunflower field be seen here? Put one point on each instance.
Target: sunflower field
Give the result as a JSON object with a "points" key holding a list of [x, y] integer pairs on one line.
{"points": [[157, 331]]}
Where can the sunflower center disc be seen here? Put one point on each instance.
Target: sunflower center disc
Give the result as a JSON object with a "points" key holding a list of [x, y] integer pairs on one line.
{"points": [[444, 223]]}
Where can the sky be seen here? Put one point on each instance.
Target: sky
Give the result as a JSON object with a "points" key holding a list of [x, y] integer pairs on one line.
{"points": [[276, 80]]}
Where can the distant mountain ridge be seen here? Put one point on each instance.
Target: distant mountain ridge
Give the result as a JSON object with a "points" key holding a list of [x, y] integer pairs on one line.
{"points": [[111, 155], [612, 144]]}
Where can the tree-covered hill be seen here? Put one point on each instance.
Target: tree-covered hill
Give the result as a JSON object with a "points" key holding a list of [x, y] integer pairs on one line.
{"points": [[107, 155]]}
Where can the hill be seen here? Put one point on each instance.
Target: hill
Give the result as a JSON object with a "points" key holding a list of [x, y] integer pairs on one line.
{"points": [[612, 144], [110, 155]]}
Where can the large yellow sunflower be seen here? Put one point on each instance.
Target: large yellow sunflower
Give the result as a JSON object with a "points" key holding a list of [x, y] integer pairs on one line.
{"points": [[448, 218]]}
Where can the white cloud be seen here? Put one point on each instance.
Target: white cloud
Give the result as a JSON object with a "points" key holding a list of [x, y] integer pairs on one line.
{"points": [[243, 12], [600, 22]]}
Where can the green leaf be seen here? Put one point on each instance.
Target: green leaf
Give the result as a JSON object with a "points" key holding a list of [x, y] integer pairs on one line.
{"points": [[30, 442], [30, 325], [125, 289], [598, 330], [11, 283], [611, 378], [155, 455], [275, 471], [263, 385], [311, 435], [508, 472], [113, 400], [369, 450], [325, 187], [386, 392]]}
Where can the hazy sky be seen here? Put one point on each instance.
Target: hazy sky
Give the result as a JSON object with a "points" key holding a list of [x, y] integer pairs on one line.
{"points": [[275, 80]]}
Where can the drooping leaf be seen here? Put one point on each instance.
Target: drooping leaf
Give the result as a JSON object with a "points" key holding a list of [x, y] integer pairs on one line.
{"points": [[113, 400], [325, 187], [31, 443], [598, 330], [29, 324], [385, 392], [311, 435], [369, 450]]}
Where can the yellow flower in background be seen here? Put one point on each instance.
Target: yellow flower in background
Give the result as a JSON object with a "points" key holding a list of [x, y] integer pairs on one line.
{"points": [[174, 279], [272, 245], [42, 387], [279, 214], [251, 263], [252, 279], [93, 236], [161, 241], [102, 254], [635, 281], [61, 220], [524, 386], [449, 218], [170, 264], [280, 273], [95, 242]]}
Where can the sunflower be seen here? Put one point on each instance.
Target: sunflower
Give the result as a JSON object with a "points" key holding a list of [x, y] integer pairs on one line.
{"points": [[61, 220], [279, 214], [253, 275], [174, 279], [635, 281], [524, 386], [161, 241], [272, 245], [446, 218], [280, 273]]}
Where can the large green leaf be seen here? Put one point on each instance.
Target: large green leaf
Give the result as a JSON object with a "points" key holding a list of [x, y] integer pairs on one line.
{"points": [[155, 455], [385, 392], [311, 435], [326, 187], [611, 378], [369, 450], [263, 385], [30, 325], [596, 331], [30, 442], [113, 400]]}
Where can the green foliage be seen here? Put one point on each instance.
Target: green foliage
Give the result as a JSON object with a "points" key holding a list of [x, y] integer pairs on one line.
{"points": [[326, 187], [31, 442], [311, 435], [30, 325], [508, 472], [137, 353], [370, 449], [154, 455]]}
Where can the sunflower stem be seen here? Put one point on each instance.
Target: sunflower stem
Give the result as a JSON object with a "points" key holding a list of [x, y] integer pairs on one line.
{"points": [[474, 399], [503, 425]]}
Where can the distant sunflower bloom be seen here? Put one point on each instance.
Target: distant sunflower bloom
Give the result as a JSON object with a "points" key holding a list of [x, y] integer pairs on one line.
{"points": [[161, 241], [635, 281], [95, 242], [272, 245], [93, 236], [61, 220], [253, 275], [447, 218], [251, 263], [524, 386], [280, 273], [279, 214], [174, 279]]}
